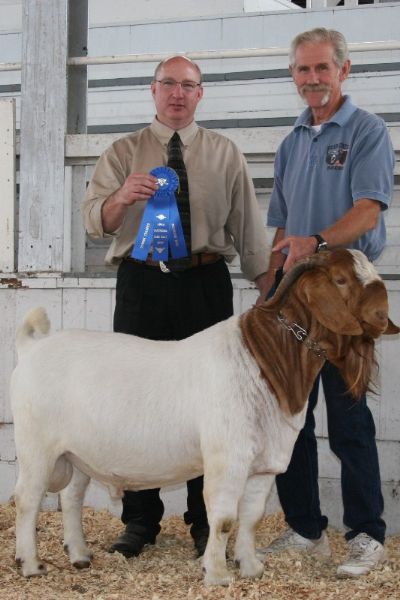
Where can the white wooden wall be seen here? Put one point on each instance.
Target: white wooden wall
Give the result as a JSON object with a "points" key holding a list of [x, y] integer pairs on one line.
{"points": [[259, 145], [88, 301], [7, 179], [269, 98]]}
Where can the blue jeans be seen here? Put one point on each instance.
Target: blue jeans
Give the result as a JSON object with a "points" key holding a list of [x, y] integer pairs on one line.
{"points": [[351, 433]]}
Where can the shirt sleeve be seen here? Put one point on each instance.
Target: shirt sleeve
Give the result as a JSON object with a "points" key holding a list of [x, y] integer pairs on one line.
{"points": [[108, 176], [277, 211], [372, 168], [245, 224]]}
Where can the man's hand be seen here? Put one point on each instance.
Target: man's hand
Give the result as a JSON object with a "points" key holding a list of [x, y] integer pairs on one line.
{"points": [[137, 186], [299, 247]]}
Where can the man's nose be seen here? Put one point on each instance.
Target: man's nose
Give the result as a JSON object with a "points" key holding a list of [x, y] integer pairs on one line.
{"points": [[178, 90], [312, 76]]}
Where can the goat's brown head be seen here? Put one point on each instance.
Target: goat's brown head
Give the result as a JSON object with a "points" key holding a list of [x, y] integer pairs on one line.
{"points": [[347, 297]]}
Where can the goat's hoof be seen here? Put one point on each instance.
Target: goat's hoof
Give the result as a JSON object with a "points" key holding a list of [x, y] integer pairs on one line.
{"points": [[81, 564], [220, 578], [80, 557], [252, 568], [36, 570]]}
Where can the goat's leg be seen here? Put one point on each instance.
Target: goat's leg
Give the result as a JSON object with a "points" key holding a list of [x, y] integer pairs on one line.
{"points": [[222, 492], [33, 478], [251, 510], [71, 503]]}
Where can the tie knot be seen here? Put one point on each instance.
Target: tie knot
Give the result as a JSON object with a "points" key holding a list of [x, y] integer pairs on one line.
{"points": [[175, 141]]}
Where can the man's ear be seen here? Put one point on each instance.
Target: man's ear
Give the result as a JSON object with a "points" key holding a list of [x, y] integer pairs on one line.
{"points": [[345, 70]]}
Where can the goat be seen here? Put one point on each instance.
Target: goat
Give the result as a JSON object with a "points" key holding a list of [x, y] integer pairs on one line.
{"points": [[228, 402]]}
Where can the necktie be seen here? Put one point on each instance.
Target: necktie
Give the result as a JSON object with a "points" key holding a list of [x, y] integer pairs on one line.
{"points": [[175, 161]]}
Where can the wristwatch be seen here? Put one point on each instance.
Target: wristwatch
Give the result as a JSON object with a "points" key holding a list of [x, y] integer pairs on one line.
{"points": [[321, 245]]}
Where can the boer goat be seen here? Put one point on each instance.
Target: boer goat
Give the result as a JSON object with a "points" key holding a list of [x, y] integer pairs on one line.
{"points": [[227, 402]]}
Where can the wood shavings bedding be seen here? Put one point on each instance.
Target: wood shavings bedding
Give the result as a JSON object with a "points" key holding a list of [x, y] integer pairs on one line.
{"points": [[170, 571]]}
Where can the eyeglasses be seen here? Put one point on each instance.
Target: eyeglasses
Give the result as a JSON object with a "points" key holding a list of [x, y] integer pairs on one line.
{"points": [[170, 84]]}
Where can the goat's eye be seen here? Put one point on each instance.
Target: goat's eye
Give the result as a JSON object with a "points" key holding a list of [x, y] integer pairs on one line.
{"points": [[341, 281]]}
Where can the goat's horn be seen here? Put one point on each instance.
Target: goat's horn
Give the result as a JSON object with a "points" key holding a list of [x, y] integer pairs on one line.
{"points": [[306, 264]]}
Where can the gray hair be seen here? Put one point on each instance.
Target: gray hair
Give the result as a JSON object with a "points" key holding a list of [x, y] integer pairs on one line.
{"points": [[166, 60], [320, 34]]}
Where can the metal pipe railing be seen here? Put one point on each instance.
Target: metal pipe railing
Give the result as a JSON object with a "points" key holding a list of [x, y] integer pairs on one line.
{"points": [[204, 55]]}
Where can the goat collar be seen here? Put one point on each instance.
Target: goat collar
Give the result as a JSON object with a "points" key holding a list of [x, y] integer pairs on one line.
{"points": [[301, 335]]}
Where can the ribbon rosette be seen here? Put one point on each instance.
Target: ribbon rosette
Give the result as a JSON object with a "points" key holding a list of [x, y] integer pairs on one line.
{"points": [[161, 224]]}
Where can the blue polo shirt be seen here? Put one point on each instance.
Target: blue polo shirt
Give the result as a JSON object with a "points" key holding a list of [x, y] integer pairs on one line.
{"points": [[320, 174]]}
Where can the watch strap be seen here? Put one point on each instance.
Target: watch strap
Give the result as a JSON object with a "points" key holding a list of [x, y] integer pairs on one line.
{"points": [[321, 243]]}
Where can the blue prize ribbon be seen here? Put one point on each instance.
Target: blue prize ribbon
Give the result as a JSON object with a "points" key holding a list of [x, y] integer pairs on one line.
{"points": [[161, 224], [176, 238]]}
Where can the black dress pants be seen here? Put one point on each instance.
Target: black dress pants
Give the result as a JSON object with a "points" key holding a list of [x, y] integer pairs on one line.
{"points": [[169, 306]]}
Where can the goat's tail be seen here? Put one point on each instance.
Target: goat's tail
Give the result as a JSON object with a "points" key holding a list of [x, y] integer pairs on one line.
{"points": [[35, 325]]}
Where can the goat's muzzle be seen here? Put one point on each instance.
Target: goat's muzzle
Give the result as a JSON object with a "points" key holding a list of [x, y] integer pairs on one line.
{"points": [[374, 311]]}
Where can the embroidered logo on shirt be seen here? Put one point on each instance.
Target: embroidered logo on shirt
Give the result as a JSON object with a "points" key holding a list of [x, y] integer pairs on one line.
{"points": [[336, 155]]}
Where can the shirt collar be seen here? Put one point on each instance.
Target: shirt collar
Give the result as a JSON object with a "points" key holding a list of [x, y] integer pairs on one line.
{"points": [[164, 133], [340, 117]]}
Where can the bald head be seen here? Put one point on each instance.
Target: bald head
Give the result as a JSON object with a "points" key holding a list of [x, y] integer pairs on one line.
{"points": [[177, 57]]}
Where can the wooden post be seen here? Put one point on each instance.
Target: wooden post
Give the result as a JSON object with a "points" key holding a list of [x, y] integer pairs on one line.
{"points": [[7, 184], [43, 128], [74, 234]]}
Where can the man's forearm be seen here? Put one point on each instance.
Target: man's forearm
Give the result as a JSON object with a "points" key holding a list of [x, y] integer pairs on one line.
{"points": [[113, 213], [358, 220]]}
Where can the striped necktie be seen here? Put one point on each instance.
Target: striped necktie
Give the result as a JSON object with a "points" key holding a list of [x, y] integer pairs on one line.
{"points": [[175, 161]]}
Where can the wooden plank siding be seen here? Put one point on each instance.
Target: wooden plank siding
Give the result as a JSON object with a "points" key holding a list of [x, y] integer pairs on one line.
{"points": [[259, 145], [272, 100], [87, 300], [43, 126], [268, 99], [252, 101], [8, 183]]}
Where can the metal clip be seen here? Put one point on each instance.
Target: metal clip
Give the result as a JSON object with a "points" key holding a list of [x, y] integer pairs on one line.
{"points": [[164, 267], [298, 331]]}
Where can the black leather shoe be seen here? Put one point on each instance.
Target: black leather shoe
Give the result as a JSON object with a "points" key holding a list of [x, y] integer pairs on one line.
{"points": [[131, 543], [200, 537]]}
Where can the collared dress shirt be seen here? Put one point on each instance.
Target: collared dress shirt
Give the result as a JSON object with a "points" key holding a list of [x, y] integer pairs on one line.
{"points": [[225, 216]]}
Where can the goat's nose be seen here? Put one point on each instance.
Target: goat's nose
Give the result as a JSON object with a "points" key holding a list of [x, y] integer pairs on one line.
{"points": [[381, 315]]}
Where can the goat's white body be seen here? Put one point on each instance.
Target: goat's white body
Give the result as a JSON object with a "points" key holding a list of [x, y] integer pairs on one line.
{"points": [[137, 414], [140, 414]]}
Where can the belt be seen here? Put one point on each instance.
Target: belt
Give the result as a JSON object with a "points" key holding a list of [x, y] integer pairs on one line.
{"points": [[198, 260]]}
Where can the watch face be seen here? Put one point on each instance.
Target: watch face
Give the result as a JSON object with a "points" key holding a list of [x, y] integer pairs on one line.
{"points": [[321, 245]]}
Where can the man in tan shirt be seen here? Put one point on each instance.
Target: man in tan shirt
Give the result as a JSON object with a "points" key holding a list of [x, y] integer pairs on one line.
{"points": [[151, 303]]}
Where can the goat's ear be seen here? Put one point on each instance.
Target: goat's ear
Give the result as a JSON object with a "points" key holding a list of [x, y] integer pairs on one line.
{"points": [[327, 305], [391, 328]]}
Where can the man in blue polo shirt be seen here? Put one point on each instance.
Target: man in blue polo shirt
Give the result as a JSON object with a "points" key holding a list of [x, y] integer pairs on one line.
{"points": [[333, 182]]}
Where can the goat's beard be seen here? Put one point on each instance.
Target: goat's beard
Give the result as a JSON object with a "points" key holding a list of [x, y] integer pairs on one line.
{"points": [[359, 367]]}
